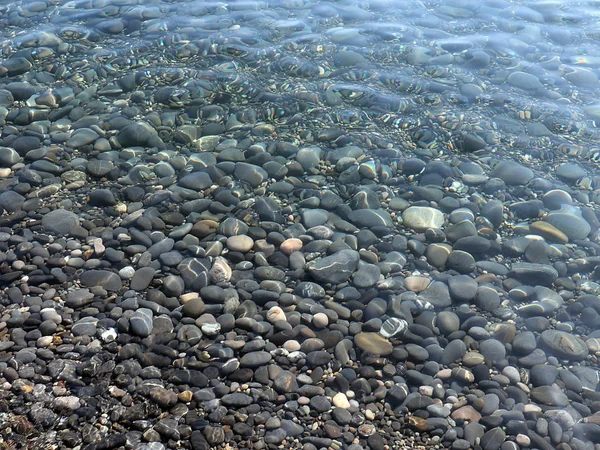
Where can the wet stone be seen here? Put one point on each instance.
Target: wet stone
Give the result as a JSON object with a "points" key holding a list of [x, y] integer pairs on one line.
{"points": [[103, 278], [8, 157], [421, 218], [549, 395], [336, 268], [373, 343], [534, 274], [512, 173], [564, 345], [60, 222]]}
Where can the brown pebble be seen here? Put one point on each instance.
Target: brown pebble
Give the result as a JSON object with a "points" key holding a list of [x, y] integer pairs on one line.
{"points": [[291, 245]]}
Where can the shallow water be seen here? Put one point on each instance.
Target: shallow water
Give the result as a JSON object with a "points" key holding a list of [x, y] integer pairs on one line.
{"points": [[452, 75]]}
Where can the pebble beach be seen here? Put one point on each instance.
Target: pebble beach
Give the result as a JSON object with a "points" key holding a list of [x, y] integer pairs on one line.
{"points": [[299, 224]]}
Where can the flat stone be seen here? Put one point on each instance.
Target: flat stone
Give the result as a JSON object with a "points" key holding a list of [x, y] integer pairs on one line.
{"points": [[569, 221], [512, 173], [549, 232], [373, 343], [60, 221], [420, 218], [549, 395], [564, 345], [103, 278], [466, 413], [237, 399], [254, 360], [241, 243], [142, 278], [534, 274], [336, 268], [370, 218]]}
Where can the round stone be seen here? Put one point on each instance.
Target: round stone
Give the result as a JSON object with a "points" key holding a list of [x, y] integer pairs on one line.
{"points": [[320, 320], [341, 401], [420, 218], [141, 322], [241, 243], [447, 322], [290, 246], [194, 308], [275, 314]]}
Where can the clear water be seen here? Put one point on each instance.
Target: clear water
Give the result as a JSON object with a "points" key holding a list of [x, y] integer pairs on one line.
{"points": [[430, 77]]}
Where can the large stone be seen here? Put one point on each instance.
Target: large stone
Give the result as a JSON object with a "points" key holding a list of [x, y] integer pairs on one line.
{"points": [[103, 278], [512, 173], [564, 345], [60, 222], [549, 395], [195, 273], [569, 221], [373, 343], [534, 274], [420, 218], [336, 268]]}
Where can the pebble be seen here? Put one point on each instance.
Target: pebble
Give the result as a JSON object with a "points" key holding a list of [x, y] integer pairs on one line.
{"points": [[228, 251], [373, 343], [60, 222], [421, 218], [564, 345], [240, 243], [335, 268]]}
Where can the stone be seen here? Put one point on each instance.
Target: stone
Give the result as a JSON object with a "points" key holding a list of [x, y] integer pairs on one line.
{"points": [[291, 245], [462, 288], [241, 243], [534, 274], [373, 343], [254, 360], [340, 400], [193, 308], [336, 268], [103, 278], [163, 397], [549, 232], [370, 218], [447, 322], [493, 439], [564, 345], [568, 220], [8, 157], [512, 173], [141, 322], [466, 414], [142, 278], [420, 218], [549, 395], [60, 222]]}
